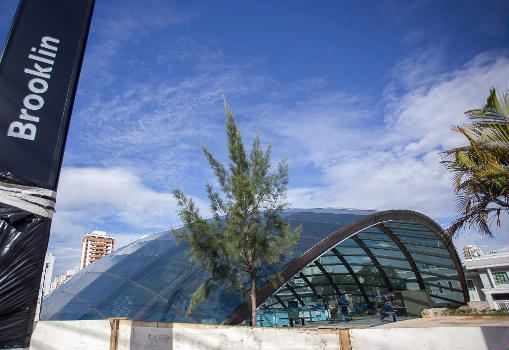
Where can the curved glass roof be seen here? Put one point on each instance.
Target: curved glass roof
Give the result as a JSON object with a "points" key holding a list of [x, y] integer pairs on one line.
{"points": [[339, 251]]}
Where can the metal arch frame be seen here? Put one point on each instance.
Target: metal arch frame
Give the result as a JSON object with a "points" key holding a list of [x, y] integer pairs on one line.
{"points": [[405, 252], [280, 301], [352, 273], [295, 294], [369, 253], [293, 268], [329, 278], [309, 284]]}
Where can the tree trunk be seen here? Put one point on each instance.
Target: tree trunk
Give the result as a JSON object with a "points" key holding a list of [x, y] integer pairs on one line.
{"points": [[253, 302]]}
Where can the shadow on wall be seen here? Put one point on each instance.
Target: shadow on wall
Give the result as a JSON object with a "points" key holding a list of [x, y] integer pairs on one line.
{"points": [[496, 337]]}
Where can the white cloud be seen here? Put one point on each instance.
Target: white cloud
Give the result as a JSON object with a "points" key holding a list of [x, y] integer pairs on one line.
{"points": [[394, 164], [110, 199], [98, 195], [344, 150]]}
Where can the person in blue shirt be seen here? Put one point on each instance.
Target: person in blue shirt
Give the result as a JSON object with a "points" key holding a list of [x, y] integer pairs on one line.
{"points": [[343, 304], [389, 310]]}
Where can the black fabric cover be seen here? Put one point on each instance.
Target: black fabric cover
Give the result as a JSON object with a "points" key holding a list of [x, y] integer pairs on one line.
{"points": [[23, 242]]}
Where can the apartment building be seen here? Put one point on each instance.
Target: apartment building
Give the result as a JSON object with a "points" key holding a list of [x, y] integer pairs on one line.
{"points": [[95, 245]]}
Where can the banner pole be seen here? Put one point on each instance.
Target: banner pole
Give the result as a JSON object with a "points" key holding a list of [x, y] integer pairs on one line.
{"points": [[39, 69]]}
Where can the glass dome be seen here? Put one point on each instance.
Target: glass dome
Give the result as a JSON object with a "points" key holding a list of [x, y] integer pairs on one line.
{"points": [[362, 253]]}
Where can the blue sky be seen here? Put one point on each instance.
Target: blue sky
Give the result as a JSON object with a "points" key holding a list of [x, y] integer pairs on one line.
{"points": [[359, 95]]}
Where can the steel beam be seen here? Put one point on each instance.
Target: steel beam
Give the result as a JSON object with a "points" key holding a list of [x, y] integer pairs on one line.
{"points": [[375, 262], [295, 294], [301, 275], [279, 300], [405, 252], [352, 273], [329, 278]]}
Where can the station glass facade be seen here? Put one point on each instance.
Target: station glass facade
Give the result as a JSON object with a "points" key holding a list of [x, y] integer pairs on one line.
{"points": [[397, 256], [359, 253]]}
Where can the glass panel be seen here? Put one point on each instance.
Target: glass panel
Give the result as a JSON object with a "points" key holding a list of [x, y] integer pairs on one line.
{"points": [[52, 305], [437, 250], [348, 243], [303, 290], [379, 244], [431, 260], [442, 283], [410, 228], [74, 310], [404, 274], [412, 286], [343, 279], [364, 269], [311, 270], [377, 235], [358, 259], [395, 263], [92, 314], [371, 280], [130, 264], [80, 281], [349, 250], [159, 274], [125, 302], [427, 268], [329, 260], [105, 263], [435, 242], [377, 291], [386, 252], [104, 285], [335, 269], [158, 247], [399, 285]]}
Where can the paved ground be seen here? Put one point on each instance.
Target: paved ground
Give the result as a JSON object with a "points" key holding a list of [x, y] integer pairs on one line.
{"points": [[466, 321], [413, 322], [357, 322]]}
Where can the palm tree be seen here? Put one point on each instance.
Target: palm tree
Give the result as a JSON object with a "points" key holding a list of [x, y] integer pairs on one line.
{"points": [[481, 169]]}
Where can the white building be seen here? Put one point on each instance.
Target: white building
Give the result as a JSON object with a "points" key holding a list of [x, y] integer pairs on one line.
{"points": [[60, 280], [472, 251], [487, 278], [95, 245], [45, 286], [47, 273]]}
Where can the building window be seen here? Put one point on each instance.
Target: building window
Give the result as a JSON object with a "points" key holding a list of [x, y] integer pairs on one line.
{"points": [[470, 285], [501, 278], [504, 296], [440, 289]]}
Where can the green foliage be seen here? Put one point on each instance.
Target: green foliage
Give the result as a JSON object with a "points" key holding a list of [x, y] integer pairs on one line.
{"points": [[246, 233], [481, 169]]}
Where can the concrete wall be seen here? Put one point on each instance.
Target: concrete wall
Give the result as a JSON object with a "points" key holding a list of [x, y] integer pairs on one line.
{"points": [[135, 335], [435, 338], [175, 336], [71, 335], [127, 334]]}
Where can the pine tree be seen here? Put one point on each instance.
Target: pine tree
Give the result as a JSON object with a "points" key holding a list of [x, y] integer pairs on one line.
{"points": [[246, 233]]}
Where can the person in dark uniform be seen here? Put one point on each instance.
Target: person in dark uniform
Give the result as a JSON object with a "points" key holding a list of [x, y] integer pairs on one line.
{"points": [[389, 310], [343, 304]]}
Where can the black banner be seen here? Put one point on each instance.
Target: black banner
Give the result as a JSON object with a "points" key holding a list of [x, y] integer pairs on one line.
{"points": [[39, 71], [38, 77]]}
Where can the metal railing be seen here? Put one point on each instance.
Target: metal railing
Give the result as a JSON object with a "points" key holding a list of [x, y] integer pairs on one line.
{"points": [[503, 305]]}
